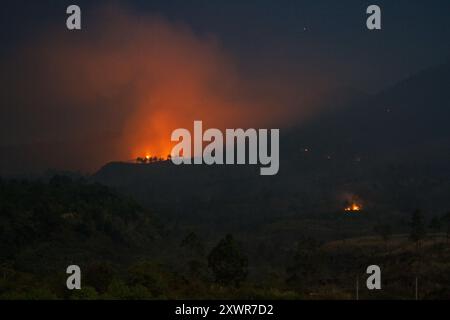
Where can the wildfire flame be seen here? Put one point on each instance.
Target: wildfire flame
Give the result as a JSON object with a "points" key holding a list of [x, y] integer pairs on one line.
{"points": [[353, 207]]}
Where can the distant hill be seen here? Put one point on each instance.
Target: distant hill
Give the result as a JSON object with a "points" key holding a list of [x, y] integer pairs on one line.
{"points": [[391, 149], [415, 111]]}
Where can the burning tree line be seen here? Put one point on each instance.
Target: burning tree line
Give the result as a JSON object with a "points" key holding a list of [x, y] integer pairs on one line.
{"points": [[149, 159]]}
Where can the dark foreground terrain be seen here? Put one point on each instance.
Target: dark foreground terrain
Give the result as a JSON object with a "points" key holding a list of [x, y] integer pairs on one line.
{"points": [[126, 253]]}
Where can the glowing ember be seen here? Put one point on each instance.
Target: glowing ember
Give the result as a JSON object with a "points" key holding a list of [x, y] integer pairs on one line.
{"points": [[353, 207]]}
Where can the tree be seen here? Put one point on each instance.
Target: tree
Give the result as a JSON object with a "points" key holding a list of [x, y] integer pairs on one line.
{"points": [[194, 248], [227, 262], [307, 261], [141, 160], [435, 224], [417, 228]]}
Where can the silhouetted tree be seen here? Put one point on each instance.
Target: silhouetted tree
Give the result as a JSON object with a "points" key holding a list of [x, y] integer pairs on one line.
{"points": [[417, 228], [435, 224], [306, 264], [227, 262]]}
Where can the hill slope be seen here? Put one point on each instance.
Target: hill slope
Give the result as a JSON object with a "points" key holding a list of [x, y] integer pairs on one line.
{"points": [[390, 149]]}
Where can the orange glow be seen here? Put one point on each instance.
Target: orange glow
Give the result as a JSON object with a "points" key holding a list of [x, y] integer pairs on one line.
{"points": [[353, 207], [145, 76]]}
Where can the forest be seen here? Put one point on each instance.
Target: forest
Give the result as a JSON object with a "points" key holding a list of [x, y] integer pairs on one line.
{"points": [[126, 252]]}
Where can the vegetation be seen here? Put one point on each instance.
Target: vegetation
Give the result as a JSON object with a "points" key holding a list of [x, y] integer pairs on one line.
{"points": [[125, 253], [418, 231], [227, 262]]}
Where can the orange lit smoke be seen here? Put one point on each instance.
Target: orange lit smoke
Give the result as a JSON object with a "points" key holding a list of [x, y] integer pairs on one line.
{"points": [[133, 79]]}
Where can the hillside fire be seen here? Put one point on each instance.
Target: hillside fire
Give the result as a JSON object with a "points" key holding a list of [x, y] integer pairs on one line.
{"points": [[353, 207], [151, 159]]}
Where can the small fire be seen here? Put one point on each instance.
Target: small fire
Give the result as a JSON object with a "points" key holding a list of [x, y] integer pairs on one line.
{"points": [[353, 207]]}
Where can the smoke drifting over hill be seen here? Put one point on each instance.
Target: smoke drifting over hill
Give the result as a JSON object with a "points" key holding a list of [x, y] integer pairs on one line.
{"points": [[117, 89]]}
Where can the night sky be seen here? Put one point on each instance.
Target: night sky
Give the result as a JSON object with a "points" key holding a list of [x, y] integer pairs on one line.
{"points": [[115, 89]]}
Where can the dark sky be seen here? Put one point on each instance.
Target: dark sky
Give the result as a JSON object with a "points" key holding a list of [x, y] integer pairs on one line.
{"points": [[415, 33], [222, 61]]}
